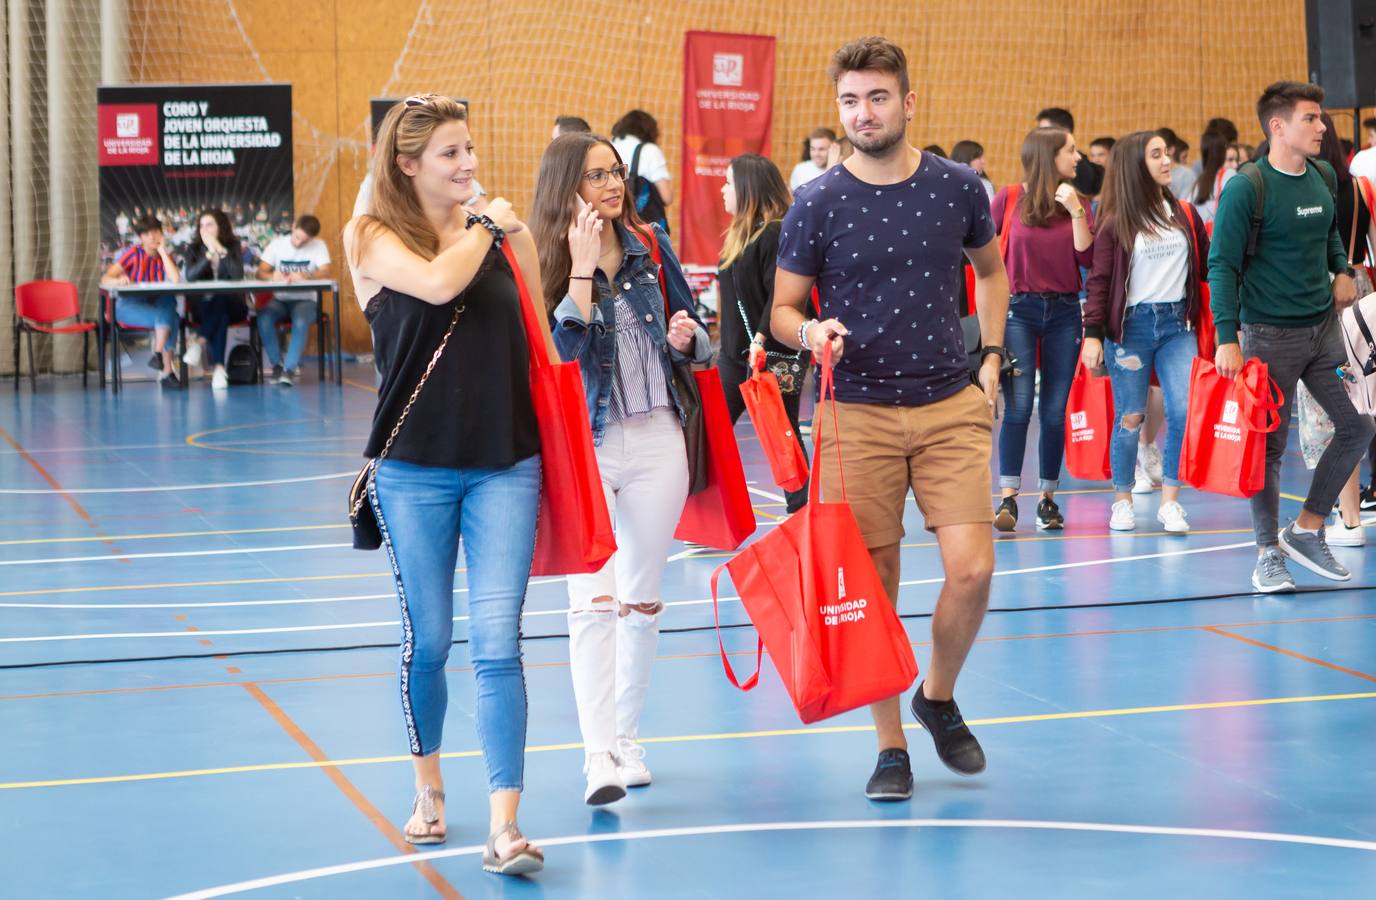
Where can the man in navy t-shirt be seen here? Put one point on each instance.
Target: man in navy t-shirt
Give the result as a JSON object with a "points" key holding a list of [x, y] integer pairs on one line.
{"points": [[883, 237]]}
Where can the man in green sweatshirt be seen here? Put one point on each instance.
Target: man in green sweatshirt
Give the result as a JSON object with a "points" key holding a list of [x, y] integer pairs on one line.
{"points": [[1284, 302]]}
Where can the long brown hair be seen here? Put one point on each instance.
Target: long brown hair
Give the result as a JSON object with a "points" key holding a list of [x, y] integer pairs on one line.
{"points": [[405, 131], [761, 197], [1131, 200], [1039, 149], [561, 172]]}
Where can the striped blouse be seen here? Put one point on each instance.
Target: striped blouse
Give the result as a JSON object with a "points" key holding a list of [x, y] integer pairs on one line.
{"points": [[638, 383]]}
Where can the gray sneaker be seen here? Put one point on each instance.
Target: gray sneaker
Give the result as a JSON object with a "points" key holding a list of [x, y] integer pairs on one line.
{"points": [[1270, 576], [1311, 551]]}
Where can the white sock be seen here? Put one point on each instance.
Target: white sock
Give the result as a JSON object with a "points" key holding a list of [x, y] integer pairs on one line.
{"points": [[1299, 530]]}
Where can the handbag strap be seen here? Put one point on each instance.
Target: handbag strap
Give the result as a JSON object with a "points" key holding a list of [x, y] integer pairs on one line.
{"points": [[411, 401], [1356, 214], [754, 679], [827, 392]]}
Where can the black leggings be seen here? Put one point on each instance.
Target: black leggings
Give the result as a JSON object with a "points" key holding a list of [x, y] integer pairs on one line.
{"points": [[733, 375]]}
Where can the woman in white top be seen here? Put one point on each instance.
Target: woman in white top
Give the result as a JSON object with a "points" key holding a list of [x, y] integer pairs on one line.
{"points": [[1150, 255], [815, 151], [1221, 160]]}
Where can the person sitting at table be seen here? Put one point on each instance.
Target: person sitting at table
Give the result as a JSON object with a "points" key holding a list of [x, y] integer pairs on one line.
{"points": [[214, 255], [299, 256], [149, 261]]}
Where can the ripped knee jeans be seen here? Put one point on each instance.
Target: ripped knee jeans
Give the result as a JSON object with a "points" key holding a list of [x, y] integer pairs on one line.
{"points": [[1155, 339]]}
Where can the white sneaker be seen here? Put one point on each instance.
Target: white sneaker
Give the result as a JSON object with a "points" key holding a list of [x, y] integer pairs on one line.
{"points": [[220, 380], [1172, 516], [1141, 478], [604, 784], [1153, 463], [1339, 535], [1123, 518], [194, 354], [630, 763]]}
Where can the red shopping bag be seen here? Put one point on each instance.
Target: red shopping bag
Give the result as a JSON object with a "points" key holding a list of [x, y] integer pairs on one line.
{"points": [[574, 529], [815, 597], [765, 403], [720, 515], [1089, 426], [1224, 450]]}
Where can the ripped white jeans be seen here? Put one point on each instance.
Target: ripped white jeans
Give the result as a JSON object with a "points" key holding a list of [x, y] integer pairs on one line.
{"points": [[645, 477]]}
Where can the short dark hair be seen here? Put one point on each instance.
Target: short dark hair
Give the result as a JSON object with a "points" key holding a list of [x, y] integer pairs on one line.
{"points": [[145, 224], [566, 124], [871, 54], [935, 150], [1059, 117], [309, 224], [1369, 122], [1105, 142], [1225, 127], [966, 152], [822, 132], [1174, 142], [639, 124], [1280, 100]]}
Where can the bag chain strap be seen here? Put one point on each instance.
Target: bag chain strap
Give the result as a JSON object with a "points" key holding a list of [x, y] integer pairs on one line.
{"points": [[406, 410]]}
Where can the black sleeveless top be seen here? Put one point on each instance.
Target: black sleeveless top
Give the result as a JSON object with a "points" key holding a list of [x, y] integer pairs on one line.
{"points": [[475, 411]]}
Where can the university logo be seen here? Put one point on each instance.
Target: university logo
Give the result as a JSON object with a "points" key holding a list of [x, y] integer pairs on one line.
{"points": [[1230, 411], [728, 69], [840, 584], [127, 125], [1079, 420]]}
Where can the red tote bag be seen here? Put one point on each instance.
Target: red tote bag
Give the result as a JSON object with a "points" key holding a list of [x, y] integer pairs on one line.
{"points": [[765, 403], [1224, 450], [816, 599], [720, 515], [574, 529], [1089, 426]]}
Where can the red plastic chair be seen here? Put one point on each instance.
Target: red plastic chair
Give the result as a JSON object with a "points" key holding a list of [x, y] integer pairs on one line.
{"points": [[39, 306]]}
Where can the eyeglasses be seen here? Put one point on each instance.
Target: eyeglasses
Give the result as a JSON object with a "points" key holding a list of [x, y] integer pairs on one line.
{"points": [[417, 100], [598, 177]]}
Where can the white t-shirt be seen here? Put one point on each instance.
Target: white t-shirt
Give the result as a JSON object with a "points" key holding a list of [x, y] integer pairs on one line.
{"points": [[1209, 208], [1160, 265], [1363, 165], [804, 172], [653, 167], [286, 258]]}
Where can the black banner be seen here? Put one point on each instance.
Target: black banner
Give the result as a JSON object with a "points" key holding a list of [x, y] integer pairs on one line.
{"points": [[174, 150]]}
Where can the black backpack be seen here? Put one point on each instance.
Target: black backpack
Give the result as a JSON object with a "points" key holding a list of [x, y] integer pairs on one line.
{"points": [[242, 367], [1253, 174], [648, 203]]}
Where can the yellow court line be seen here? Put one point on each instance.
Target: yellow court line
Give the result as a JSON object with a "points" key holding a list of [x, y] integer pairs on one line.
{"points": [[351, 383], [172, 534], [689, 738]]}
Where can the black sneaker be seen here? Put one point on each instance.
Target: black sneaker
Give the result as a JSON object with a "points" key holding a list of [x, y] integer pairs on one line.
{"points": [[1006, 516], [169, 380], [276, 372], [893, 777], [1369, 498], [955, 745], [155, 362], [1049, 516]]}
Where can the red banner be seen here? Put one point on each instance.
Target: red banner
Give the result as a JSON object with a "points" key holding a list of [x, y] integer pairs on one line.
{"points": [[728, 109]]}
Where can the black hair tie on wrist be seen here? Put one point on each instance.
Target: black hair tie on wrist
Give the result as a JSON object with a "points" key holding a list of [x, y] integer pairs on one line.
{"points": [[498, 235]]}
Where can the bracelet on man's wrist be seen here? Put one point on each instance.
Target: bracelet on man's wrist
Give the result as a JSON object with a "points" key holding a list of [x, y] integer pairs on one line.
{"points": [[802, 333]]}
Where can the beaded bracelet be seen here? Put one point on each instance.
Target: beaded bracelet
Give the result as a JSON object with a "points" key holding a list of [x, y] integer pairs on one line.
{"points": [[498, 235], [802, 333]]}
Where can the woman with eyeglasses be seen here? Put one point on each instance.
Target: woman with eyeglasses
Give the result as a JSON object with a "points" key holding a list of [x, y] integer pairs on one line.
{"points": [[603, 290], [464, 461]]}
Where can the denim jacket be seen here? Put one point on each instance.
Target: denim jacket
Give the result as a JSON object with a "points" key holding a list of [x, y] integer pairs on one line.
{"points": [[593, 344]]}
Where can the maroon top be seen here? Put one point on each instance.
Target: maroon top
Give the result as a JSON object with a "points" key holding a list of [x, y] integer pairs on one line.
{"points": [[1042, 260]]}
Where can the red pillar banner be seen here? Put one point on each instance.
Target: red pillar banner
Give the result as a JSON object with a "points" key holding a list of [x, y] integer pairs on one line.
{"points": [[728, 109]]}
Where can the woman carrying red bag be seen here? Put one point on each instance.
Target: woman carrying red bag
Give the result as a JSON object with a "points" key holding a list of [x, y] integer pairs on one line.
{"points": [[757, 199], [603, 290], [1150, 256]]}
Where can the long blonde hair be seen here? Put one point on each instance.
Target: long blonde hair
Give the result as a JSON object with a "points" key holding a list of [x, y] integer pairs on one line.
{"points": [[405, 131], [761, 197]]}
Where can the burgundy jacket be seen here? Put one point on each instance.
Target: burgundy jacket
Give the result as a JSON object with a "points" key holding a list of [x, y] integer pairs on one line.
{"points": [[1108, 279]]}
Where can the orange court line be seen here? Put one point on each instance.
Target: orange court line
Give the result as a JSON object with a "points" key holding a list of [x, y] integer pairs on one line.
{"points": [[306, 679], [347, 788], [1291, 653], [61, 491]]}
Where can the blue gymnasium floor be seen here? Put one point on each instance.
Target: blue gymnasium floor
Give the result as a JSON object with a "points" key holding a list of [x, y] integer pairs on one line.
{"points": [[1141, 743]]}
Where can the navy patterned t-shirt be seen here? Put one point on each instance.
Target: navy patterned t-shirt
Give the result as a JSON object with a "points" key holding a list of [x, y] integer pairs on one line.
{"points": [[888, 260]]}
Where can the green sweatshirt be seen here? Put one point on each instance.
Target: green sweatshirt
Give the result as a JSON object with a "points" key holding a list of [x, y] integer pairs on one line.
{"points": [[1287, 282]]}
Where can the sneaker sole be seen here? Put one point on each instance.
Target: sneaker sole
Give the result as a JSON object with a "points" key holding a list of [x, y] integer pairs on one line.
{"points": [[1169, 530], [1120, 527], [1284, 588], [1004, 522], [889, 797], [609, 793], [1345, 543], [1050, 526], [1293, 554]]}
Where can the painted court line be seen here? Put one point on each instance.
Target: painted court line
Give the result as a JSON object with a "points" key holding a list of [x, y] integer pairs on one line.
{"points": [[181, 487], [774, 827], [171, 554], [691, 738]]}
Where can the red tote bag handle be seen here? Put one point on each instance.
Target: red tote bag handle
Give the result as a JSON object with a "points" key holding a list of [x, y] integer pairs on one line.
{"points": [[538, 350], [754, 679]]}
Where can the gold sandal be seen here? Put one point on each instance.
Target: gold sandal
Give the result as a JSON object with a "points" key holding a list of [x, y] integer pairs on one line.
{"points": [[425, 805], [526, 861]]}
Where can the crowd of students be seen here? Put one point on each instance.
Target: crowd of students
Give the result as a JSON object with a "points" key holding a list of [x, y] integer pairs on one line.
{"points": [[863, 260], [216, 253]]}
